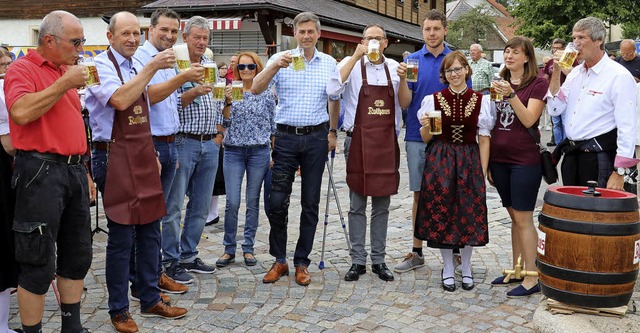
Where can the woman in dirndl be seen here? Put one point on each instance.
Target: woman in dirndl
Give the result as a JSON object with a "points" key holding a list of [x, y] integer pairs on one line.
{"points": [[452, 210]]}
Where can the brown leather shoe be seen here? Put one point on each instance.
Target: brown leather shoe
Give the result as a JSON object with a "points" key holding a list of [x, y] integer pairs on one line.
{"points": [[169, 286], [163, 310], [124, 323], [277, 270], [302, 276]]}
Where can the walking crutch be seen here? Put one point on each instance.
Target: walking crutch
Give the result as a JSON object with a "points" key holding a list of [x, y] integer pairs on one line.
{"points": [[332, 186]]}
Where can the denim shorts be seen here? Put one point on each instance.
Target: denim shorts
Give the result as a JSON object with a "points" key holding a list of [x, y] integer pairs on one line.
{"points": [[52, 215], [415, 162], [517, 185]]}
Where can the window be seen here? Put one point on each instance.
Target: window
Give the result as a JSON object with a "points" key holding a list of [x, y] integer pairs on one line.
{"points": [[33, 38], [230, 42], [415, 5]]}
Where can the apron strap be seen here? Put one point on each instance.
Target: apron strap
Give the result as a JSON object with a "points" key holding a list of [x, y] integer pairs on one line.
{"points": [[365, 84], [389, 83]]}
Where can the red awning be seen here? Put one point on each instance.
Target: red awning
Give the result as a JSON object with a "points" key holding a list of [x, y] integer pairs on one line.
{"points": [[228, 23]]}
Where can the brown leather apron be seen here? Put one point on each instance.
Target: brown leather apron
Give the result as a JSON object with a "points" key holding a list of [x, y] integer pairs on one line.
{"points": [[133, 192], [374, 155]]}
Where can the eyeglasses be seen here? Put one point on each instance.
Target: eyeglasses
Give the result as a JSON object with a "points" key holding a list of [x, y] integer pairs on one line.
{"points": [[5, 64], [456, 70], [250, 67], [76, 41], [378, 38]]}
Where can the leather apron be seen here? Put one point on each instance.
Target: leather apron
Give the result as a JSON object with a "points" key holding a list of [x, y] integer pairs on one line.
{"points": [[133, 191], [374, 155]]}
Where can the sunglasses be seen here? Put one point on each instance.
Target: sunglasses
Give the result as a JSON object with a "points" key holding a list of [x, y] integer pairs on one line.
{"points": [[76, 41], [250, 67]]}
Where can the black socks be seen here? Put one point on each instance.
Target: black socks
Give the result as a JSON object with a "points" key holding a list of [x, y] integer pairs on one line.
{"points": [[70, 318]]}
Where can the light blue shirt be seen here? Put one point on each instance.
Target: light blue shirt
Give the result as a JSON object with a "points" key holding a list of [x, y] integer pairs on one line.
{"points": [[163, 116], [302, 96], [101, 113]]}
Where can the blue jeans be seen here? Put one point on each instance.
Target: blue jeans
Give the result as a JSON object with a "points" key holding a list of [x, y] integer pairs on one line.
{"points": [[168, 160], [238, 160], [558, 129], [196, 172], [290, 151]]}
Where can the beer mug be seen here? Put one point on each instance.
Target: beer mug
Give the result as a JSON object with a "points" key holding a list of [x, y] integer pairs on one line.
{"points": [[90, 66], [412, 70], [297, 60], [435, 122], [236, 91], [495, 95], [182, 57], [374, 50], [568, 56], [218, 90], [210, 72]]}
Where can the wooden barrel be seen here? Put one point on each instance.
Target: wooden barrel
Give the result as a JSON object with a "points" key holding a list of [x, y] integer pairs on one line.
{"points": [[588, 246]]}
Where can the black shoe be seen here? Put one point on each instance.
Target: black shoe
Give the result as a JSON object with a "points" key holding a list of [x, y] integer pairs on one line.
{"points": [[383, 272], [448, 287], [214, 221], [354, 272], [468, 286], [551, 144]]}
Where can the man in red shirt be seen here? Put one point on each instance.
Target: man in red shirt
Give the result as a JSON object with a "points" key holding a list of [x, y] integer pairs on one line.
{"points": [[52, 190], [233, 61]]}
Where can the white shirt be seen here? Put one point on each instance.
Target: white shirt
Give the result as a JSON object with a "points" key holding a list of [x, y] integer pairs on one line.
{"points": [[486, 118], [594, 101], [350, 89], [4, 114], [637, 116]]}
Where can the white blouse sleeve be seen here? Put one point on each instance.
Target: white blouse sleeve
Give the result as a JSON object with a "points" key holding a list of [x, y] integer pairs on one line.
{"points": [[487, 117], [426, 106]]}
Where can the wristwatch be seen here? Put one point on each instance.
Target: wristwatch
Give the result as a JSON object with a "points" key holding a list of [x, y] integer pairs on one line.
{"points": [[511, 95], [227, 104], [334, 131], [622, 171]]}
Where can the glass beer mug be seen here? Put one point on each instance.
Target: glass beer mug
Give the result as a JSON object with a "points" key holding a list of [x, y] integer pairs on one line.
{"points": [[374, 50]]}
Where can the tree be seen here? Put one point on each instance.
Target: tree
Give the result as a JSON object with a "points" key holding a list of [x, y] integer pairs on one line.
{"points": [[543, 20], [470, 28], [631, 30]]}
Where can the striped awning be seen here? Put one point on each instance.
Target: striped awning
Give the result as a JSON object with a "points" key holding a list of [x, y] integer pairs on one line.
{"points": [[227, 23]]}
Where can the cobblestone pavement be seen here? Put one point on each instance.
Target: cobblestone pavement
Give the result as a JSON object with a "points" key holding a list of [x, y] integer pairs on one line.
{"points": [[235, 299]]}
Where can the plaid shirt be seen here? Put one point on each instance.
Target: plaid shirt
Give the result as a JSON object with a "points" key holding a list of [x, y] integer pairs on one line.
{"points": [[482, 74], [302, 96], [202, 115]]}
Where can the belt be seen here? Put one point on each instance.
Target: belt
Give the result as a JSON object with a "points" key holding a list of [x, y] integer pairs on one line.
{"points": [[165, 138], [201, 137], [52, 157], [99, 145], [301, 130]]}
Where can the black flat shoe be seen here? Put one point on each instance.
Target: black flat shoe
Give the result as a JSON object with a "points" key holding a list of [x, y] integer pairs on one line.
{"points": [[468, 286], [224, 262], [214, 221], [446, 286], [383, 272], [251, 260], [354, 272]]}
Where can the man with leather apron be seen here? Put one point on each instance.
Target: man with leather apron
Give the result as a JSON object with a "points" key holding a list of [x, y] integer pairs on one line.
{"points": [[127, 172], [372, 121]]}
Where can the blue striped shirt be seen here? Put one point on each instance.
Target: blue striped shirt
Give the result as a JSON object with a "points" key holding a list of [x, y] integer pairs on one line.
{"points": [[202, 115], [302, 96], [163, 116]]}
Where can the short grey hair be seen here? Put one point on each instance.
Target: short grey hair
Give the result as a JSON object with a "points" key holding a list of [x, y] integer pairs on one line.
{"points": [[197, 22], [478, 46], [306, 17], [594, 27], [559, 41], [52, 24], [379, 26]]}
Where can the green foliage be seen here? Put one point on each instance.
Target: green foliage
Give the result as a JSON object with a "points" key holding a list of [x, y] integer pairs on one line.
{"points": [[631, 30], [470, 28], [543, 20]]}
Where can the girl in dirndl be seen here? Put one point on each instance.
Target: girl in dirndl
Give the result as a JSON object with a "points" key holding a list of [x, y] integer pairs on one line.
{"points": [[452, 210]]}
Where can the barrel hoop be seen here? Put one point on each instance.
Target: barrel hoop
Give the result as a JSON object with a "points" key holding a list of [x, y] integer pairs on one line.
{"points": [[596, 204], [592, 301], [589, 228], [586, 277]]}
